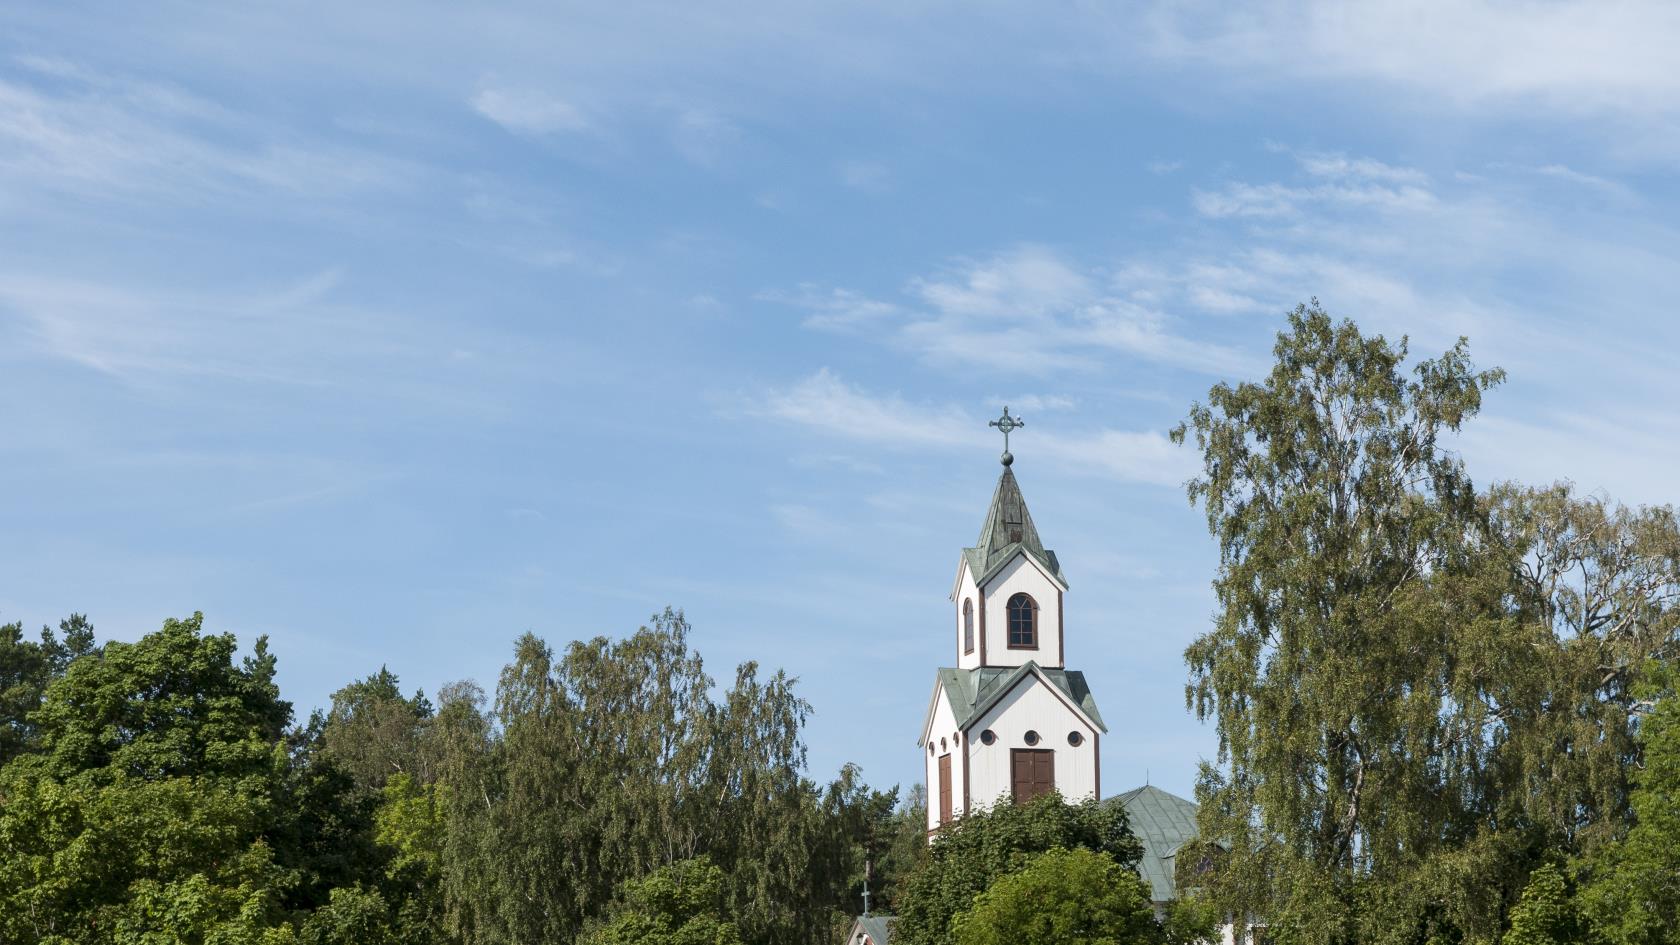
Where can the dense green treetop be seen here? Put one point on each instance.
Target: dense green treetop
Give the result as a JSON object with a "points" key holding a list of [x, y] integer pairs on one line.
{"points": [[1062, 897], [26, 668], [967, 857], [680, 904], [1632, 886]]}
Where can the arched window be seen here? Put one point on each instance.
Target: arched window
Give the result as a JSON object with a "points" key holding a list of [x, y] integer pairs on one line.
{"points": [[1023, 623], [968, 625]]}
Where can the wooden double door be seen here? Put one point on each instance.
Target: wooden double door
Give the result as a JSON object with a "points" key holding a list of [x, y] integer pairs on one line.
{"points": [[1032, 773]]}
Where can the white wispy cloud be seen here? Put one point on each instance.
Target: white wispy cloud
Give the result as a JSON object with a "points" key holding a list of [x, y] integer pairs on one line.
{"points": [[65, 128], [825, 404], [832, 309], [1027, 310], [529, 111], [1582, 56], [1334, 180]]}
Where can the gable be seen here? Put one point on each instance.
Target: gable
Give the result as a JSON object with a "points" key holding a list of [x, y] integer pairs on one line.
{"points": [[974, 559], [971, 693]]}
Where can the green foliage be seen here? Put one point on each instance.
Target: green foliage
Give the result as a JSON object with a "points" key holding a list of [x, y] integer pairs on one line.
{"points": [[680, 904], [374, 732], [614, 761], [968, 857], [1062, 897], [1417, 688], [158, 801], [26, 668], [1546, 914], [1632, 889], [1191, 920], [410, 822]]}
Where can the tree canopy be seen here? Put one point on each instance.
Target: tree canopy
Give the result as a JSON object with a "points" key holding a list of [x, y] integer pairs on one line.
{"points": [[974, 852], [1421, 690], [1061, 897]]}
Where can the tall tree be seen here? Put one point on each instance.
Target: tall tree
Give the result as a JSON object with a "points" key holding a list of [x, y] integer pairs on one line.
{"points": [[374, 732], [160, 803], [1399, 670], [615, 761]]}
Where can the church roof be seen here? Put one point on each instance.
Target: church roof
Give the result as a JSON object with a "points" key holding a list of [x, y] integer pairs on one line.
{"points": [[1164, 822], [1008, 528], [876, 928], [971, 692]]}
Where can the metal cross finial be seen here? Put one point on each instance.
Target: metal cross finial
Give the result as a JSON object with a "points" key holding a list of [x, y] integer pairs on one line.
{"points": [[1006, 424]]}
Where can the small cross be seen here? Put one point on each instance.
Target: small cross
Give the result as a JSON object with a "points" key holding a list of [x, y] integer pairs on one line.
{"points": [[1006, 424]]}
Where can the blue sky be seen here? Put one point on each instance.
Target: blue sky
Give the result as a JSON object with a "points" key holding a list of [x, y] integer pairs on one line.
{"points": [[395, 330]]}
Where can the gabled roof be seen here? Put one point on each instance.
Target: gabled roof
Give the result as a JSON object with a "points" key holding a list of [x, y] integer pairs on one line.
{"points": [[878, 929], [972, 692], [1008, 529], [1164, 822]]}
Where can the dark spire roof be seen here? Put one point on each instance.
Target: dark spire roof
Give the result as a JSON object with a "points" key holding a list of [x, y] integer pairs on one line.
{"points": [[1009, 527]]}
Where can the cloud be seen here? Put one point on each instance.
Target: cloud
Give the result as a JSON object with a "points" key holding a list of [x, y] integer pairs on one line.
{"points": [[832, 309], [530, 112], [825, 404], [71, 129], [1588, 58], [1026, 311], [1036, 403], [214, 342], [1336, 181]]}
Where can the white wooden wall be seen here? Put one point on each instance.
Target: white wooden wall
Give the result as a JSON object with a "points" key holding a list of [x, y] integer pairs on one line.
{"points": [[1032, 705], [943, 728], [1022, 575]]}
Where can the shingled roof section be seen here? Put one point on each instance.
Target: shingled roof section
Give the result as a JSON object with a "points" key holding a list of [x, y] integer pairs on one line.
{"points": [[971, 692], [1008, 527], [1164, 822], [877, 929]]}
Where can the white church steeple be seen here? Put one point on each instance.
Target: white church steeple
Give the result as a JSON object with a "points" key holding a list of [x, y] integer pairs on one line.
{"points": [[1009, 720], [1009, 587]]}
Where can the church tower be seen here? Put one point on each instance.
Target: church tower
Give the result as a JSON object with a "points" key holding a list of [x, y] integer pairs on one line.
{"points": [[1009, 721]]}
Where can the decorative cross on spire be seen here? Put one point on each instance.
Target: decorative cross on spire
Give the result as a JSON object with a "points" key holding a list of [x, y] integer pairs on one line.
{"points": [[1006, 424]]}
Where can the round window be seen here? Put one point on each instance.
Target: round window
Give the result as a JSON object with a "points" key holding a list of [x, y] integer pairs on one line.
{"points": [[942, 744], [1031, 738], [987, 737], [1074, 739]]}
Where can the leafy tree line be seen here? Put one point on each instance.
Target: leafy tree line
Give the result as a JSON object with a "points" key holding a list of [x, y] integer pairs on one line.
{"points": [[1429, 697], [159, 792], [1446, 714]]}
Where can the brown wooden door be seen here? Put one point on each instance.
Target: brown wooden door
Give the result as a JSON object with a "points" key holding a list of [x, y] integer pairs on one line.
{"points": [[1032, 772], [944, 790]]}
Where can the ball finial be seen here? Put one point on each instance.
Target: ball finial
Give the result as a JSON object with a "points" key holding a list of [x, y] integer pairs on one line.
{"points": [[1007, 458]]}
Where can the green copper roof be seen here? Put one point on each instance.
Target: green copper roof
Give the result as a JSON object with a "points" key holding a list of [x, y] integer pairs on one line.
{"points": [[1164, 822], [972, 692], [1008, 528], [877, 927]]}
